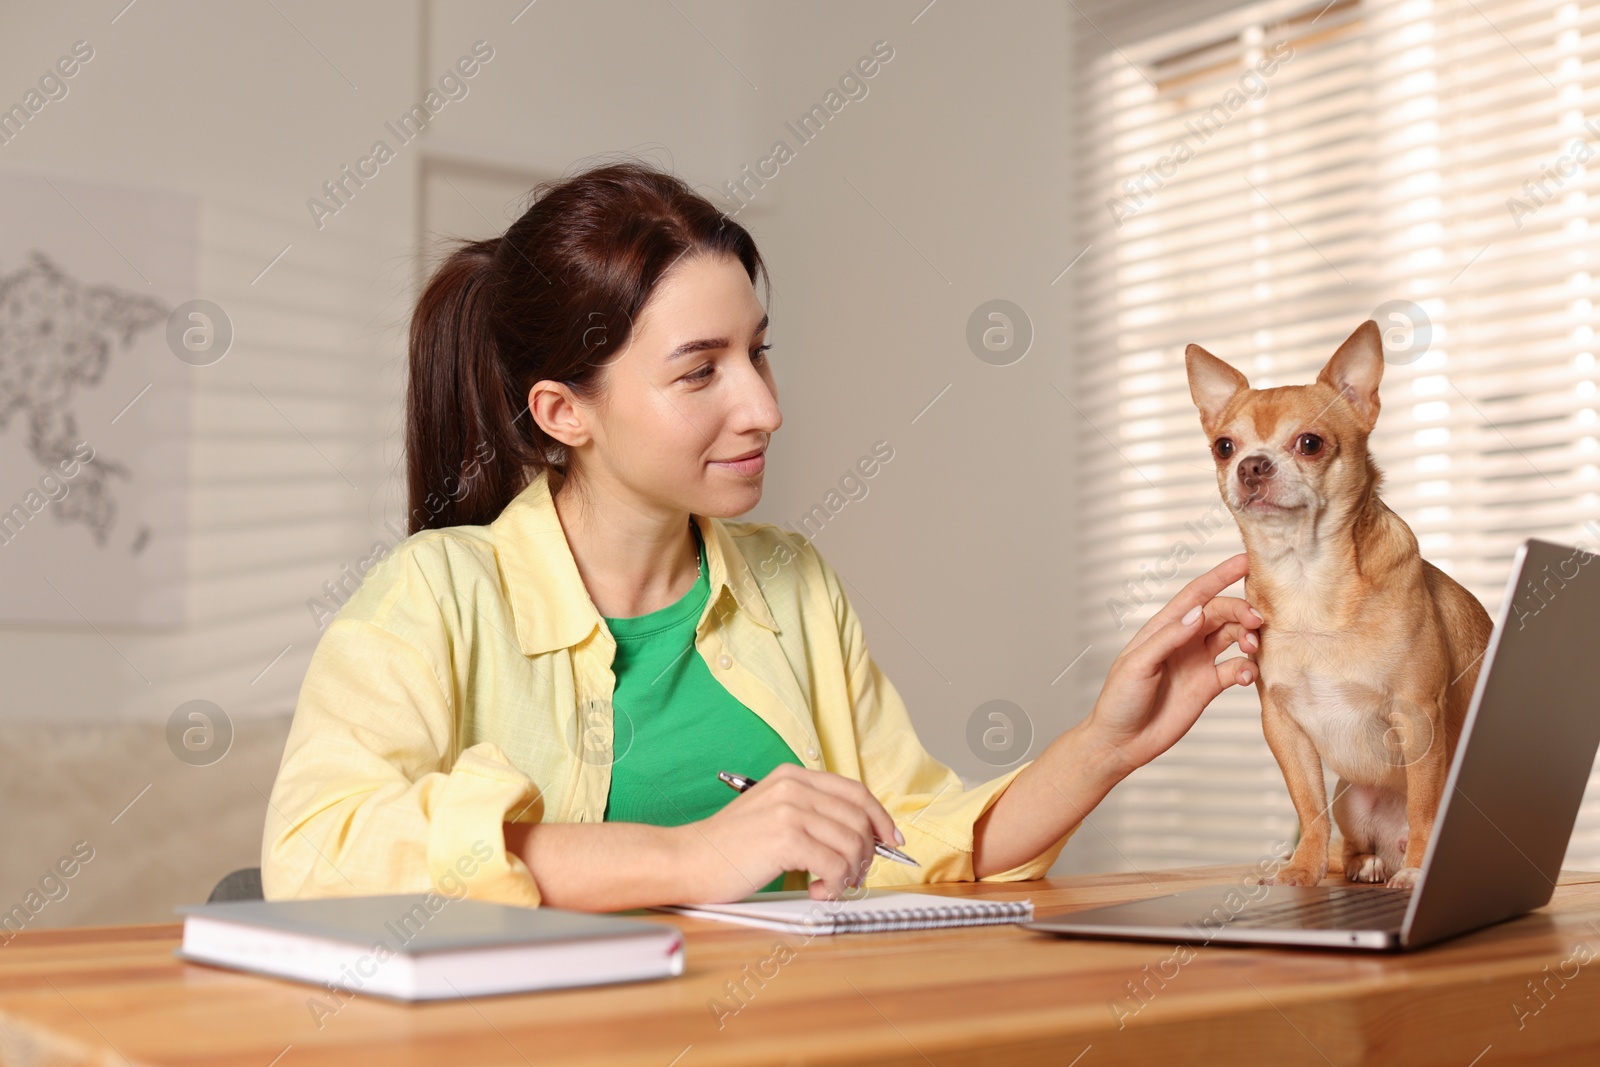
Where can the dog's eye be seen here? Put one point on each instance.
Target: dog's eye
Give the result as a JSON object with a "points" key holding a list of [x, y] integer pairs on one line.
{"points": [[1309, 444], [1223, 447]]}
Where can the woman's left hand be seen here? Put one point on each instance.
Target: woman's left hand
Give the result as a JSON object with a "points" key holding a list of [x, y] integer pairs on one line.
{"points": [[1158, 685]]}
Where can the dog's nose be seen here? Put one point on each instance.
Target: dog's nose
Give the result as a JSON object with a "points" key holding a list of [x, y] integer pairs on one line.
{"points": [[1256, 469]]}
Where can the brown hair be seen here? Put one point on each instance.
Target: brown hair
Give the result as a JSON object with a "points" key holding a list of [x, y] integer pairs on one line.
{"points": [[554, 297]]}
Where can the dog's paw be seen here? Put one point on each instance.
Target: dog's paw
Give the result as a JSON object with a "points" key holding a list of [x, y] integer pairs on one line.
{"points": [[1405, 878], [1293, 875], [1366, 868]]}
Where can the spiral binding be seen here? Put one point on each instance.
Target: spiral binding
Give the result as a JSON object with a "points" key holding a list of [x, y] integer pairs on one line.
{"points": [[974, 913]]}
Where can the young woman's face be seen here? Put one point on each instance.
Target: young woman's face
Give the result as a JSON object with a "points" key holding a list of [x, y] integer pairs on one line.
{"points": [[691, 391]]}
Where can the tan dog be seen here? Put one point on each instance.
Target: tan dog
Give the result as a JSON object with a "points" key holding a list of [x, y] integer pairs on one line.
{"points": [[1368, 653]]}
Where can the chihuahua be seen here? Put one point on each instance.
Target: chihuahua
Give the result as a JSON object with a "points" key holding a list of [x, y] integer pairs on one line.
{"points": [[1367, 653]]}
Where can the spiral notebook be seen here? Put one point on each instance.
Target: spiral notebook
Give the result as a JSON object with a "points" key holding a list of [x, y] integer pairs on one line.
{"points": [[795, 911]]}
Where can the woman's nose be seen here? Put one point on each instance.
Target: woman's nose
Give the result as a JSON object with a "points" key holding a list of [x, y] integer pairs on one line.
{"points": [[759, 403]]}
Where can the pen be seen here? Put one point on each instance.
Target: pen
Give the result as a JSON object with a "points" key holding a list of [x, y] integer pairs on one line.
{"points": [[888, 852]]}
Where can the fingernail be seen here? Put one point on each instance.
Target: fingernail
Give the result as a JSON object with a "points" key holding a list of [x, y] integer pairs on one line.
{"points": [[1246, 677], [1194, 613], [899, 838], [1256, 613]]}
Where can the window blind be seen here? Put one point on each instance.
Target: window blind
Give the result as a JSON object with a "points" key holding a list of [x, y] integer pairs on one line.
{"points": [[1261, 181]]}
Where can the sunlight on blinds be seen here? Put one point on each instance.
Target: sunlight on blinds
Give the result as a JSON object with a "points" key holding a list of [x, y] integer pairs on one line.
{"points": [[1261, 182]]}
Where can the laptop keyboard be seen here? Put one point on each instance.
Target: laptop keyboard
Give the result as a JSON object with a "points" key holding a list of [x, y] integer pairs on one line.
{"points": [[1341, 909]]}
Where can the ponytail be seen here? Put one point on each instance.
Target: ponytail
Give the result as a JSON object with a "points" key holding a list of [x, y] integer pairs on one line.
{"points": [[462, 455]]}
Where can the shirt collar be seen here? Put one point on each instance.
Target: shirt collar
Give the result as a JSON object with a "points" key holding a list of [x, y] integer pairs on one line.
{"points": [[549, 601]]}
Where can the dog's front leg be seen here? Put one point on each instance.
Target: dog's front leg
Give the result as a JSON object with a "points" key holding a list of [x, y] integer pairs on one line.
{"points": [[1420, 729], [1302, 770]]}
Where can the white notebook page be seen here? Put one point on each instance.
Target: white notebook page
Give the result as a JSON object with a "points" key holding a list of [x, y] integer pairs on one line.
{"points": [[796, 911]]}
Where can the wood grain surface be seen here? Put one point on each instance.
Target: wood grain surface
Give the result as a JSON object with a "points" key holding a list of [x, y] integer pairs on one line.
{"points": [[1522, 992]]}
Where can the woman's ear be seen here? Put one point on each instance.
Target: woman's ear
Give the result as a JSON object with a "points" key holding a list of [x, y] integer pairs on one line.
{"points": [[556, 411]]}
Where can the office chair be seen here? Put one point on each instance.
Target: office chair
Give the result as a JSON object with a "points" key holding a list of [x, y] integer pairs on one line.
{"points": [[243, 884]]}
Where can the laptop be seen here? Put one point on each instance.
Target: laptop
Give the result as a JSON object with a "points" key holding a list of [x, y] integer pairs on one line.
{"points": [[1509, 804]]}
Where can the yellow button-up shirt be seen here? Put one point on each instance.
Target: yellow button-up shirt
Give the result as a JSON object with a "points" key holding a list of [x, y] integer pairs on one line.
{"points": [[468, 683]]}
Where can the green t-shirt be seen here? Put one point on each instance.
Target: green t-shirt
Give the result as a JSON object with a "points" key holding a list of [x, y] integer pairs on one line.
{"points": [[674, 724]]}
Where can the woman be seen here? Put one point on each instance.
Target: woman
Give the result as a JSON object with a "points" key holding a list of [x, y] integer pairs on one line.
{"points": [[530, 698]]}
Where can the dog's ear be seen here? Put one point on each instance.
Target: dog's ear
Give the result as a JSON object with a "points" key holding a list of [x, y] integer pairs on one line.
{"points": [[1212, 383], [1356, 369]]}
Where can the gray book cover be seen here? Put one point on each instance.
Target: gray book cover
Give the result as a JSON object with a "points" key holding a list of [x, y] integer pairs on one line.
{"points": [[407, 924]]}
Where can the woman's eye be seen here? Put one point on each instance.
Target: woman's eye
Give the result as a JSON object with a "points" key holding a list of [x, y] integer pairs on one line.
{"points": [[757, 356]]}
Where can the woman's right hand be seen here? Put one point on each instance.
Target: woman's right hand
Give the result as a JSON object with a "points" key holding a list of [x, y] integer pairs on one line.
{"points": [[794, 819]]}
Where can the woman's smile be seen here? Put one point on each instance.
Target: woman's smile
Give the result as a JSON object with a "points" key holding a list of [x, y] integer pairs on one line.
{"points": [[750, 463]]}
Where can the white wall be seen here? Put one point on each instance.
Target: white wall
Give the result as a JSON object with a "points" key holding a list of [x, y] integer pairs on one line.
{"points": [[960, 556], [946, 186], [232, 104]]}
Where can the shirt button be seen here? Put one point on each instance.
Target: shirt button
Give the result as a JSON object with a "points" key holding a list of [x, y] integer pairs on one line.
{"points": [[724, 661], [811, 752]]}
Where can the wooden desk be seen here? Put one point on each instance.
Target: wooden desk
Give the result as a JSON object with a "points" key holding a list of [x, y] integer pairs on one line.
{"points": [[962, 996]]}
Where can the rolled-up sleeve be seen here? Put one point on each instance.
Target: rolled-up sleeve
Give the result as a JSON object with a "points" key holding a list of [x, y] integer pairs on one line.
{"points": [[371, 796], [926, 798]]}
